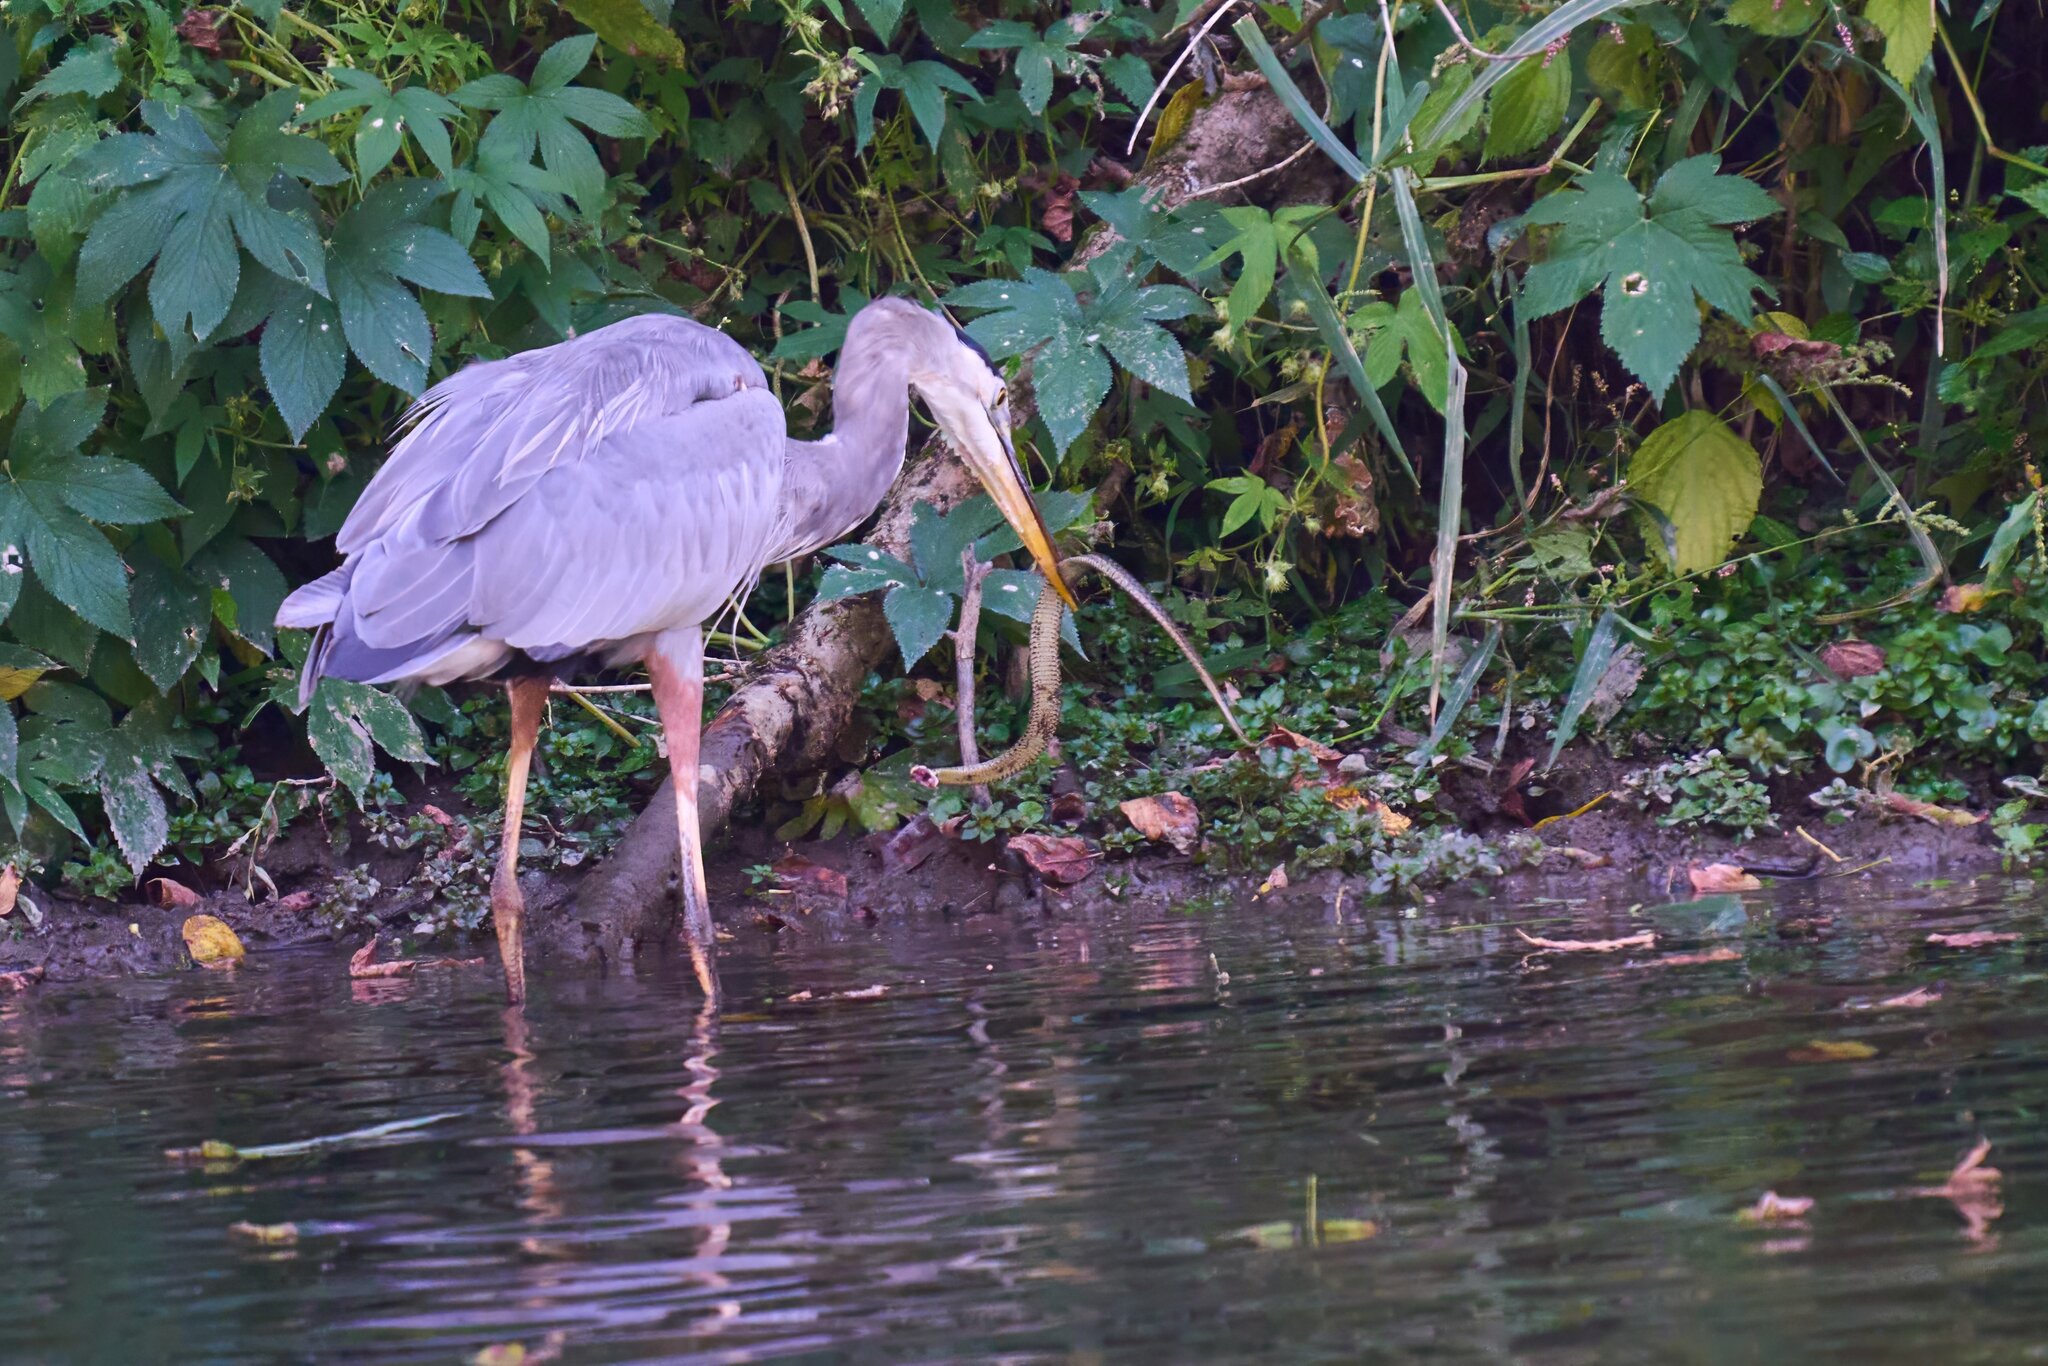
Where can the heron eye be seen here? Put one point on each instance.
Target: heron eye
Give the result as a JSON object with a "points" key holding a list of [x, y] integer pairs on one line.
{"points": [[1002, 397]]}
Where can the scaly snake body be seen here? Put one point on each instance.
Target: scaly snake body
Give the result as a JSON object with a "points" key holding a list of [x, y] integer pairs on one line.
{"points": [[1044, 718]]}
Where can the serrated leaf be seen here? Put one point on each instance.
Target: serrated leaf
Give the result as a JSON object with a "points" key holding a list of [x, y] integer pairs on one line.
{"points": [[1407, 330], [1705, 480], [343, 720], [924, 87], [1012, 593], [1653, 258], [304, 356], [172, 617], [1528, 105], [385, 117], [118, 492], [1038, 56], [917, 617], [236, 570], [544, 117], [627, 26], [1908, 28], [20, 667], [88, 70], [377, 249], [1777, 18], [1627, 71], [136, 814]]}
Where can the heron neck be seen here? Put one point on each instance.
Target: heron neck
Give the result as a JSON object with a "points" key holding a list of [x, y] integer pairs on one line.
{"points": [[836, 484]]}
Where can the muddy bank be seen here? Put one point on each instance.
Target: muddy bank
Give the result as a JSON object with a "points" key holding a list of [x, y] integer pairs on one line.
{"points": [[852, 885]]}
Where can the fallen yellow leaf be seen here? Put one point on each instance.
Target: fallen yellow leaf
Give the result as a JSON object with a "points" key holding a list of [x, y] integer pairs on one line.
{"points": [[211, 942], [274, 1235], [10, 888], [1722, 877], [1646, 940], [1774, 1208], [1833, 1050]]}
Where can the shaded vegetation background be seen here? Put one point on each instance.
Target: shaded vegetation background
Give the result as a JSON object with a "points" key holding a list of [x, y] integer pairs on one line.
{"points": [[1681, 365]]}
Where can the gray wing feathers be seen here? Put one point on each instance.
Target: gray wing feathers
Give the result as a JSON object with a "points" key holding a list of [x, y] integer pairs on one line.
{"points": [[616, 485]]}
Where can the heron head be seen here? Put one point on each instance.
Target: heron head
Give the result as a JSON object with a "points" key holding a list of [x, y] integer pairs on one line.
{"points": [[970, 401]]}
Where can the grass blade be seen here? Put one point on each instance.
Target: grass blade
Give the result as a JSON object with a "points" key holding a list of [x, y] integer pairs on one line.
{"points": [[1459, 695], [1929, 556], [1320, 133], [1323, 309], [1600, 648], [1798, 422]]}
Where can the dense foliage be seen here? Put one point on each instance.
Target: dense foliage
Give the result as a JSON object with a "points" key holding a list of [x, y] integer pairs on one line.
{"points": [[1492, 338]]}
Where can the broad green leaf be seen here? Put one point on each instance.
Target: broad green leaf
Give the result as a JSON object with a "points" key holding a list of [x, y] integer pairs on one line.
{"points": [[1599, 653], [116, 492], [1908, 28], [386, 117], [136, 814], [1259, 239], [882, 16], [827, 332], [1528, 105], [1627, 71], [185, 203], [517, 192], [86, 70], [1653, 258], [2017, 527], [627, 26], [544, 117], [344, 719], [1252, 498], [303, 355], [1038, 56], [1777, 18], [38, 322], [917, 617], [20, 667], [1407, 330], [378, 248], [243, 578], [1705, 480], [923, 85], [172, 617]]}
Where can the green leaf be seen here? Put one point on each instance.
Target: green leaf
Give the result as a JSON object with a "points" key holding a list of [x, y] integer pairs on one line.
{"points": [[1908, 29], [386, 117], [882, 16], [1012, 593], [172, 617], [304, 357], [182, 195], [1627, 72], [828, 331], [2017, 527], [1653, 257], [917, 617], [543, 117], [1599, 653], [923, 85], [88, 70], [1407, 330], [1259, 240], [136, 814], [1705, 480], [627, 26], [377, 249], [1528, 105], [1038, 56], [243, 575], [1254, 498], [343, 721], [1777, 18], [117, 492]]}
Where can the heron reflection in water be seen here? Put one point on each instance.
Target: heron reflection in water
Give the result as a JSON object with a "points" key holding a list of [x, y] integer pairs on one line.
{"points": [[597, 503]]}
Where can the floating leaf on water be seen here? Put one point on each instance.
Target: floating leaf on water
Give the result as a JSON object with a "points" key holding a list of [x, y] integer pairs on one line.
{"points": [[1911, 1000], [210, 941], [21, 979], [1721, 877], [1773, 1208], [270, 1235], [1971, 939], [217, 1150], [1647, 939], [1833, 1050]]}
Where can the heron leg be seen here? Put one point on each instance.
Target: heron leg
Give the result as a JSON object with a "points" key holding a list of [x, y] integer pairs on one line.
{"points": [[675, 666], [528, 697]]}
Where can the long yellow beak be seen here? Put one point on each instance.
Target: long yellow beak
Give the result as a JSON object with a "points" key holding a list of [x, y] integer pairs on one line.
{"points": [[987, 449]]}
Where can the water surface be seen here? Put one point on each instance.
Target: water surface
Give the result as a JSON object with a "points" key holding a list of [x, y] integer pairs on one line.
{"points": [[1353, 1134]]}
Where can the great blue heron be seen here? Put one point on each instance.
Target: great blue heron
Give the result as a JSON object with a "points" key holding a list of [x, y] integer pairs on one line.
{"points": [[597, 502]]}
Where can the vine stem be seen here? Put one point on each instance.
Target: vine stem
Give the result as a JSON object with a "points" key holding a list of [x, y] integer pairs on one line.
{"points": [[1977, 110]]}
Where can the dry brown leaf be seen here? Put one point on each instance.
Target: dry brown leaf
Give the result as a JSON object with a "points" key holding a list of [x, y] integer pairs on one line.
{"points": [[1723, 954], [1060, 859], [210, 941], [1971, 939], [1964, 597], [1068, 808], [438, 816], [1773, 1208], [170, 893], [1721, 877], [1832, 1050], [21, 979], [1170, 817], [1853, 658], [1646, 940], [918, 840], [1585, 858], [1973, 1188], [360, 967], [1917, 997], [270, 1235], [296, 901], [1346, 798], [1283, 738], [1928, 811], [810, 881], [1354, 513], [10, 889], [1276, 881]]}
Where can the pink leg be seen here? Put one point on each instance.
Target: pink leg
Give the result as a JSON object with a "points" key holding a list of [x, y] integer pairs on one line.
{"points": [[676, 668], [529, 697]]}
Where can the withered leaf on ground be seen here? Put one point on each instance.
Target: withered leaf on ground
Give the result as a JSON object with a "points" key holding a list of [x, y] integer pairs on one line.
{"points": [[1928, 811], [1646, 940], [1170, 817], [1069, 808], [170, 893], [1773, 1208], [10, 889], [1971, 939], [810, 882], [296, 901], [1276, 881], [1964, 597], [361, 966], [1853, 658], [1514, 803], [918, 839], [1060, 859], [1721, 877], [1283, 738], [210, 942]]}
